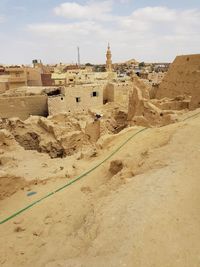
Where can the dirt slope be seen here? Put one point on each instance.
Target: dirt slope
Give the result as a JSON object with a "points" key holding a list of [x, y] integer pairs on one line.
{"points": [[142, 210]]}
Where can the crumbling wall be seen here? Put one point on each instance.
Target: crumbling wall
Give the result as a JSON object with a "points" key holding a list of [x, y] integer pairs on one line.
{"points": [[183, 78], [23, 107], [108, 93], [178, 103], [117, 92], [56, 105], [142, 112], [92, 129], [142, 86], [136, 103], [4, 86]]}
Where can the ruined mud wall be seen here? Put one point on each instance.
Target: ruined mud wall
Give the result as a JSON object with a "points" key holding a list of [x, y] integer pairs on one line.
{"points": [[117, 92], [4, 86], [183, 78], [23, 107], [56, 105]]}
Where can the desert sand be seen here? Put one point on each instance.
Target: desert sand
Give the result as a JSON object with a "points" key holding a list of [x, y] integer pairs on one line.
{"points": [[140, 208]]}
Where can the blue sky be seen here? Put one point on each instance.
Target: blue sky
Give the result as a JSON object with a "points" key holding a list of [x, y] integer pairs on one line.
{"points": [[52, 29]]}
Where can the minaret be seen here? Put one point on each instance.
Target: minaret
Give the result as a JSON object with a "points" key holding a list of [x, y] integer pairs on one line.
{"points": [[109, 59]]}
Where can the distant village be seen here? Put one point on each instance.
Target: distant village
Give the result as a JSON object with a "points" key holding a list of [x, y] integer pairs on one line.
{"points": [[51, 89]]}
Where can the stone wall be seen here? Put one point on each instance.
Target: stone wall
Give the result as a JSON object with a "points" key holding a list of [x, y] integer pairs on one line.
{"points": [[23, 107], [183, 78]]}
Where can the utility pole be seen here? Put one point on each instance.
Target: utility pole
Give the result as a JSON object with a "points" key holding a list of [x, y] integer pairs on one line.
{"points": [[79, 60]]}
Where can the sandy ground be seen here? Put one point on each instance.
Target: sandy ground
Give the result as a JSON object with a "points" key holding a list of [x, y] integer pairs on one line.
{"points": [[145, 215]]}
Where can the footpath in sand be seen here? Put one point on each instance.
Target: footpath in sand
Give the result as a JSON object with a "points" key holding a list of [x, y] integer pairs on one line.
{"points": [[141, 208]]}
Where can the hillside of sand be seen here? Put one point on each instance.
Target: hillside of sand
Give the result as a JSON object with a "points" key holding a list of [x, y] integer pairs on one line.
{"points": [[140, 208]]}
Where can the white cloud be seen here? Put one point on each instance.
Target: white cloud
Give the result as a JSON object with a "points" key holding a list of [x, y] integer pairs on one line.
{"points": [[124, 1], [91, 10], [2, 18], [150, 34], [156, 14], [76, 28]]}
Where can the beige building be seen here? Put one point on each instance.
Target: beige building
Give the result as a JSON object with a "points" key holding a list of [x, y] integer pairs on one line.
{"points": [[59, 79], [33, 76], [16, 76], [79, 98]]}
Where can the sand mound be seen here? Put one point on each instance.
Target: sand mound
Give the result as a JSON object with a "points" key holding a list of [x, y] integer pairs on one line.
{"points": [[140, 208]]}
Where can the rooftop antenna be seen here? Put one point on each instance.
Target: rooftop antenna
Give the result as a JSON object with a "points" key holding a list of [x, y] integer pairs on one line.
{"points": [[79, 60]]}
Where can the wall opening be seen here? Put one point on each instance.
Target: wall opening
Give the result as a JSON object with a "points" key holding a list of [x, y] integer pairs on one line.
{"points": [[78, 99], [54, 92], [95, 94]]}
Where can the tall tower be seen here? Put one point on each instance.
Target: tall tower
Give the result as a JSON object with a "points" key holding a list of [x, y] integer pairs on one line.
{"points": [[108, 59]]}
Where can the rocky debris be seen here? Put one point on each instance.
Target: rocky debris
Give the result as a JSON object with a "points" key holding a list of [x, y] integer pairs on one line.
{"points": [[19, 229], [116, 166], [178, 103], [54, 149], [148, 113], [29, 141], [58, 136], [121, 120], [7, 141], [73, 141]]}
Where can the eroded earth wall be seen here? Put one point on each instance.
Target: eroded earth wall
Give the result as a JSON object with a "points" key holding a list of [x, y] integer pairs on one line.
{"points": [[23, 107], [183, 78]]}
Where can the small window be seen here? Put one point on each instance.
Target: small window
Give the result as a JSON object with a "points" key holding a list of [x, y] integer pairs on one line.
{"points": [[95, 94], [78, 99]]}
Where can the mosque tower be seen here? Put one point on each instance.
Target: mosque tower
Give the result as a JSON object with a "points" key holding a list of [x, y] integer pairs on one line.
{"points": [[109, 59]]}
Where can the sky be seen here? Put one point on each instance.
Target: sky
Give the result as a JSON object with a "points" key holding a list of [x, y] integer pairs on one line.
{"points": [[51, 30]]}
